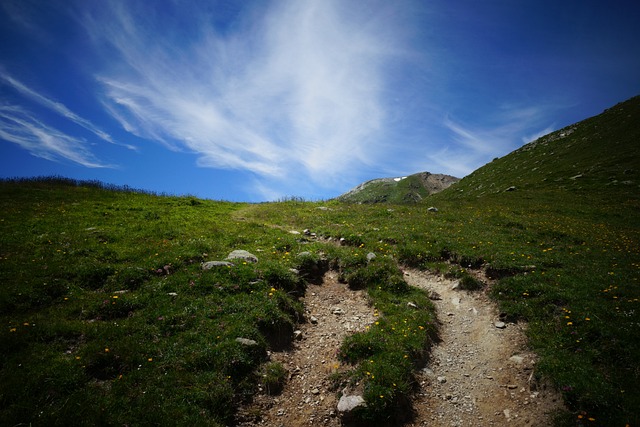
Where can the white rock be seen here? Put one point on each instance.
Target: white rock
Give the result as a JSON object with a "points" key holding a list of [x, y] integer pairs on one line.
{"points": [[428, 372], [348, 403], [517, 359], [247, 342]]}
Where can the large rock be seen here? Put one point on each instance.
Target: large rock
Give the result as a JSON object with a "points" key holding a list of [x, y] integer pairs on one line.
{"points": [[349, 402], [242, 255]]}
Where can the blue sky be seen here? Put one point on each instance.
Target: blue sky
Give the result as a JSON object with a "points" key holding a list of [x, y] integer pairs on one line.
{"points": [[259, 100]]}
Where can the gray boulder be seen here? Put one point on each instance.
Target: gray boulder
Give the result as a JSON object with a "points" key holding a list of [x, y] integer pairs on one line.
{"points": [[242, 255]]}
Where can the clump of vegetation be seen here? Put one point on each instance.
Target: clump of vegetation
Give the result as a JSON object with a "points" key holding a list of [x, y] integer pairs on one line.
{"points": [[466, 281], [274, 377], [384, 358]]}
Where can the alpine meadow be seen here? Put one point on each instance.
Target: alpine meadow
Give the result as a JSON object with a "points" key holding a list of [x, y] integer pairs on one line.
{"points": [[123, 307]]}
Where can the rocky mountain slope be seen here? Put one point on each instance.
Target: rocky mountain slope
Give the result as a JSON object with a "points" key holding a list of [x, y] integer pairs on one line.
{"points": [[406, 189]]}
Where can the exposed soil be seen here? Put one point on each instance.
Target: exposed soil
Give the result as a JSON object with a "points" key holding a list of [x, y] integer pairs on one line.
{"points": [[478, 375], [333, 311]]}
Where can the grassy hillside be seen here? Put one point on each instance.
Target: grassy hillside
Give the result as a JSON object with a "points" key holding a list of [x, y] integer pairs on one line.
{"points": [[597, 156], [109, 318], [571, 202]]}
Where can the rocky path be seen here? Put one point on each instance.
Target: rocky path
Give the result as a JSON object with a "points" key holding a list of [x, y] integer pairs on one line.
{"points": [[333, 311], [480, 374]]}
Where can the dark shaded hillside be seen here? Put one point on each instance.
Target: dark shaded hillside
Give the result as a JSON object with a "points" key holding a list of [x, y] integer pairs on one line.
{"points": [[597, 155]]}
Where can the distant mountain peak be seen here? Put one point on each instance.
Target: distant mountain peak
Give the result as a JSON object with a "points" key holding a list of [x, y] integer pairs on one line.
{"points": [[403, 189]]}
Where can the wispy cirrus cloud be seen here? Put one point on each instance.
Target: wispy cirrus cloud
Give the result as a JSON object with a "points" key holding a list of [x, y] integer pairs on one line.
{"points": [[56, 107], [22, 128], [472, 144], [295, 89]]}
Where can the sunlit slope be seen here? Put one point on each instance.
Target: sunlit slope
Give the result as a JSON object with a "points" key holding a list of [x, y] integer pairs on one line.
{"points": [[599, 155]]}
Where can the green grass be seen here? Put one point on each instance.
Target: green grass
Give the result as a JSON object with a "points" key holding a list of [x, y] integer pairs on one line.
{"points": [[108, 314], [555, 254]]}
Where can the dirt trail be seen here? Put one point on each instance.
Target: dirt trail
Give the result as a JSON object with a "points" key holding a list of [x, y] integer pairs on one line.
{"points": [[481, 373], [333, 311], [478, 375]]}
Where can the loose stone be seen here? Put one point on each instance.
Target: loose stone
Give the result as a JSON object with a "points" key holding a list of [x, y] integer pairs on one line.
{"points": [[212, 264], [243, 255], [247, 342]]}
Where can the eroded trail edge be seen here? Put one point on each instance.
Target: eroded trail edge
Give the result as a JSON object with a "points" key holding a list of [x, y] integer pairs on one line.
{"points": [[481, 373]]}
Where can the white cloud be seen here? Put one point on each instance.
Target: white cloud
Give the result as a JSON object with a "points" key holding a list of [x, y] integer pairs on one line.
{"points": [[57, 107], [22, 128], [472, 146], [294, 91]]}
